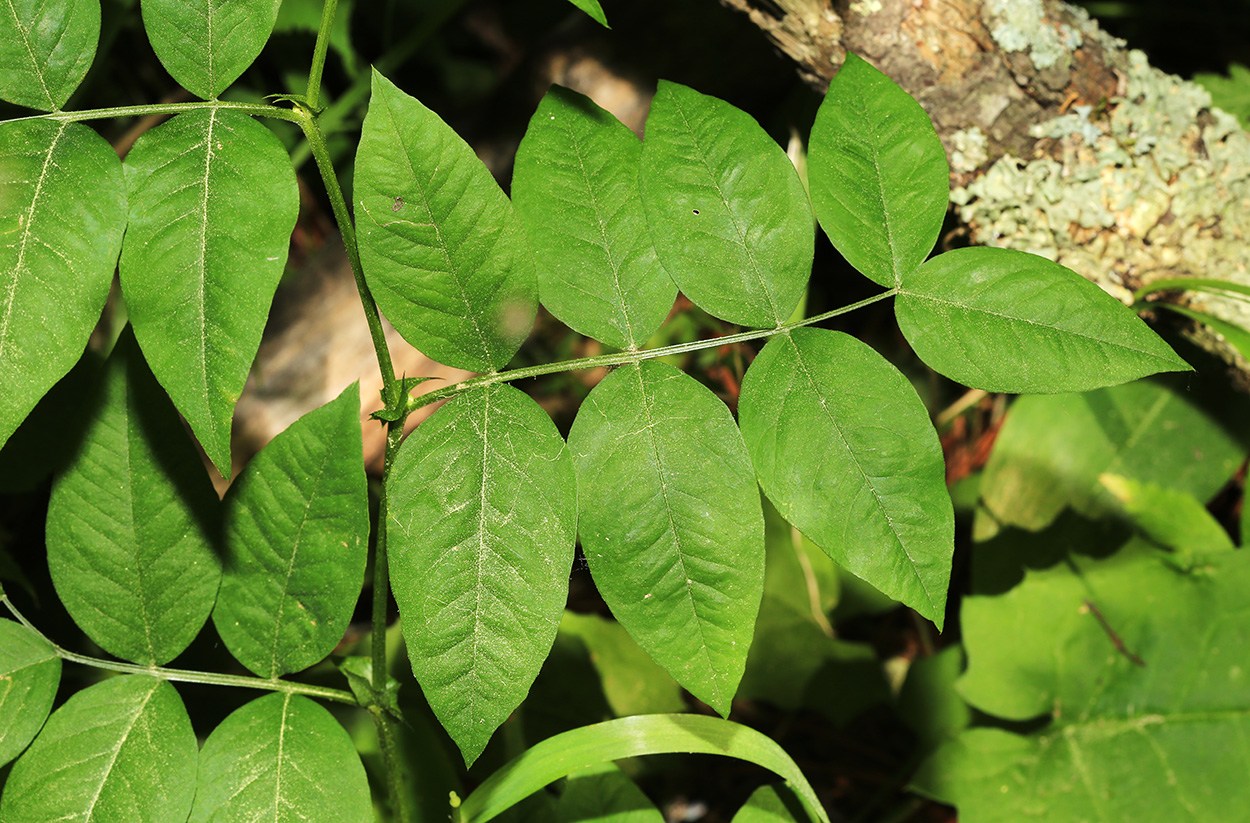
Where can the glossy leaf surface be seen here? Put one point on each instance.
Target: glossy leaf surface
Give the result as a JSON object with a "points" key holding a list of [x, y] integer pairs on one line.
{"points": [[46, 49], [446, 258], [206, 44], [62, 215], [30, 672], [727, 212], [132, 522], [212, 204], [281, 757], [1009, 321], [482, 522], [878, 174], [576, 189], [670, 522], [1135, 664], [844, 449], [592, 8], [297, 527], [121, 750]]}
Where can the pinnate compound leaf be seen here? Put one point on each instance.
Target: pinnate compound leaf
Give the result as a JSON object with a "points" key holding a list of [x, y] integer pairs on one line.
{"points": [[727, 212], [671, 524], [281, 757], [213, 201], [30, 671], [1010, 321], [844, 449], [1156, 738], [121, 750], [206, 44], [46, 49], [444, 254], [877, 172], [132, 522], [62, 216], [482, 521], [297, 528], [603, 794], [566, 753], [592, 8], [576, 190]]}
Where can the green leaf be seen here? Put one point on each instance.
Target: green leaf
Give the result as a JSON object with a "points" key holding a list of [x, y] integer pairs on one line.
{"points": [[281, 757], [206, 44], [1231, 93], [132, 522], [576, 189], [1051, 450], [670, 522], [121, 750], [727, 212], [482, 522], [30, 671], [62, 215], [359, 674], [564, 754], [213, 201], [1009, 321], [632, 682], [928, 703], [767, 804], [46, 49], [1172, 519], [1236, 336], [445, 256], [877, 172], [844, 449], [305, 16], [1224, 288], [1139, 669], [297, 528], [592, 8], [603, 794]]}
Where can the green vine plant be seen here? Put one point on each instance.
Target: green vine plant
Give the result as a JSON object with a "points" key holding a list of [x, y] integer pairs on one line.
{"points": [[483, 504]]}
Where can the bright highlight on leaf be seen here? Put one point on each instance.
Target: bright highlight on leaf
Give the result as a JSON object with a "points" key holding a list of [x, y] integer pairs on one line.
{"points": [[46, 49], [30, 671], [206, 44], [592, 8], [670, 523]]}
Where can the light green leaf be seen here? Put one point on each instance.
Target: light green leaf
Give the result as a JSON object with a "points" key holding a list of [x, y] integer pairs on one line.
{"points": [[213, 201], [844, 449], [445, 256], [297, 527], [670, 523], [767, 804], [603, 794], [281, 757], [576, 189], [46, 49], [1231, 93], [632, 682], [592, 8], [1051, 450], [121, 750], [482, 522], [206, 44], [30, 672], [1009, 321], [566, 753], [877, 172], [1172, 519], [1224, 288], [62, 215], [727, 212], [1139, 669], [132, 521]]}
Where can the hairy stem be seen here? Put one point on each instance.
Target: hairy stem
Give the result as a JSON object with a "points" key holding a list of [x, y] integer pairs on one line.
{"points": [[319, 54], [255, 109]]}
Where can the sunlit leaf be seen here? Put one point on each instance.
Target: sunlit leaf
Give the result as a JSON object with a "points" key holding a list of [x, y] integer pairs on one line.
{"points": [[1172, 519], [62, 215], [121, 750], [297, 527], [132, 522], [30, 672], [212, 204], [445, 256], [730, 219], [206, 44], [482, 520], [1009, 321], [576, 189], [592, 8], [46, 49], [772, 804], [878, 173], [603, 794], [670, 522]]}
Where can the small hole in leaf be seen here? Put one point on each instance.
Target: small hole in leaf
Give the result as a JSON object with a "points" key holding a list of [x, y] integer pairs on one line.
{"points": [[696, 211]]}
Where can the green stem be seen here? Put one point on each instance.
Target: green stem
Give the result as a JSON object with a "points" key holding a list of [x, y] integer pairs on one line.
{"points": [[256, 109], [381, 579], [388, 744], [625, 357], [182, 675], [319, 54]]}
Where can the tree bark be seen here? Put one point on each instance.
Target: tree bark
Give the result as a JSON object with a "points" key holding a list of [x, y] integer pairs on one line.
{"points": [[1061, 141]]}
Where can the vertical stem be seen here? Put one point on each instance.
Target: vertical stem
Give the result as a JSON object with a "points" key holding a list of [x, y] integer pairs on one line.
{"points": [[381, 577], [388, 744], [319, 54]]}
